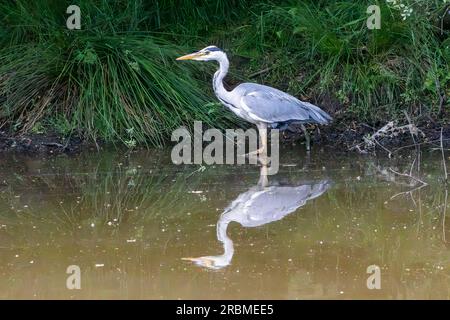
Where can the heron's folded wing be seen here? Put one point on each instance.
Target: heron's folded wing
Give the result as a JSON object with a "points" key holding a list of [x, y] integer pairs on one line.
{"points": [[277, 106]]}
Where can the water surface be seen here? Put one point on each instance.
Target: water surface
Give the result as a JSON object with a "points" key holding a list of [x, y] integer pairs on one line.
{"points": [[128, 220]]}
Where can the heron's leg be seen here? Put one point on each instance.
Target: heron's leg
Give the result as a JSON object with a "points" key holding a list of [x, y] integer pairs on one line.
{"points": [[263, 180], [307, 137], [262, 129]]}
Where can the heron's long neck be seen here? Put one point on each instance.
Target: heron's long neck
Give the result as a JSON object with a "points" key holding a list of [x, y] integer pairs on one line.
{"points": [[219, 89], [222, 236]]}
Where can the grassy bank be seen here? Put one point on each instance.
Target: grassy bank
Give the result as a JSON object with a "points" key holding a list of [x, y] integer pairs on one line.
{"points": [[116, 78]]}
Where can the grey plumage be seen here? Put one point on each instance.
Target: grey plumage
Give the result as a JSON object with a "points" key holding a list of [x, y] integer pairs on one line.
{"points": [[262, 105], [258, 206], [256, 103], [270, 105]]}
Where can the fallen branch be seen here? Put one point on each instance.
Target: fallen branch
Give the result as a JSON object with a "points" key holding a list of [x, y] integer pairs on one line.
{"points": [[53, 144], [390, 130]]}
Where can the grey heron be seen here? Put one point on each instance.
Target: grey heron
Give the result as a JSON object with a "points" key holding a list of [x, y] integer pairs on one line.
{"points": [[260, 205], [259, 104]]}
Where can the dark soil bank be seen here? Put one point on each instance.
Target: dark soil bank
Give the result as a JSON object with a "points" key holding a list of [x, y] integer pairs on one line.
{"points": [[349, 138], [362, 138], [41, 144]]}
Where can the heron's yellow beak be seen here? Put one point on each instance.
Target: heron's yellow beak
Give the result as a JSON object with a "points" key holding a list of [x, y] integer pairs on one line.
{"points": [[201, 260], [188, 259], [190, 56]]}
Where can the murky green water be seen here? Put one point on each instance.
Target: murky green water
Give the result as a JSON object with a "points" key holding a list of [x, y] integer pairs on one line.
{"points": [[127, 220]]}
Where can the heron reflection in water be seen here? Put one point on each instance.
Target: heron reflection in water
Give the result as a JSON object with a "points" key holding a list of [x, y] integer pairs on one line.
{"points": [[258, 206]]}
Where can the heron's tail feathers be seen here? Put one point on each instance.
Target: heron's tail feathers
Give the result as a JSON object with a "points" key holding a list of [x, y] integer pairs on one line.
{"points": [[316, 114]]}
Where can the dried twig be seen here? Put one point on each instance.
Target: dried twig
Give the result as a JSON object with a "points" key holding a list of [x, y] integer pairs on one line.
{"points": [[54, 144], [446, 10], [419, 144], [409, 176], [412, 129], [409, 192], [443, 158], [441, 96], [259, 72], [444, 214], [385, 149]]}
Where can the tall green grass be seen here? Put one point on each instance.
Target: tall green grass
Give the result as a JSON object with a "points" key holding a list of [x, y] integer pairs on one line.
{"points": [[324, 48], [111, 80]]}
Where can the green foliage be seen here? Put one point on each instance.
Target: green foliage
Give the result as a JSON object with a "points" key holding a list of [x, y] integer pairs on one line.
{"points": [[373, 73], [104, 79]]}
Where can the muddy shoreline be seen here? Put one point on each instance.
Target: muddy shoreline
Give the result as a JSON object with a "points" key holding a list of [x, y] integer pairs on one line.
{"points": [[357, 137], [351, 137], [35, 144]]}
